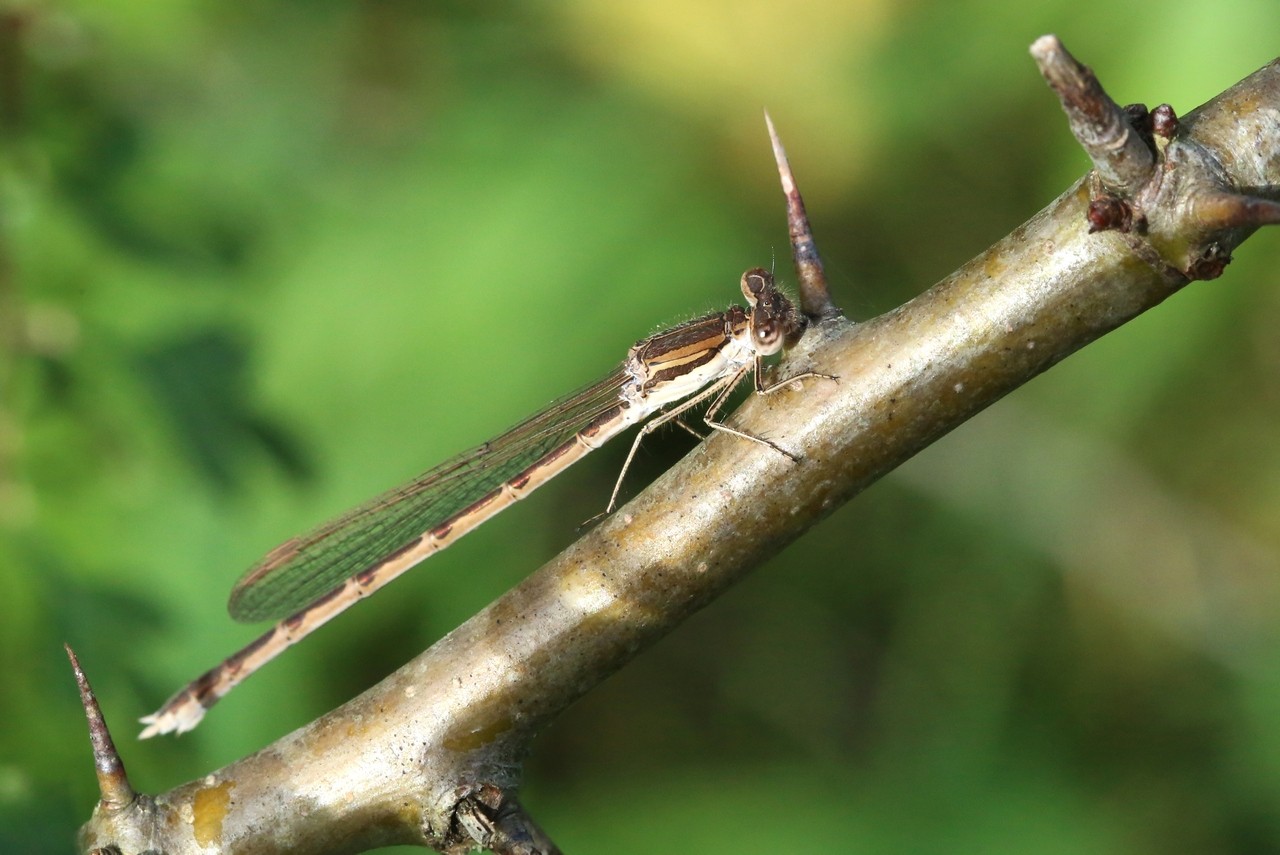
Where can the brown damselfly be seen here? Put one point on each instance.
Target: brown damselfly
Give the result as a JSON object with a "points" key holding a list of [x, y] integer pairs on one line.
{"points": [[308, 580]]}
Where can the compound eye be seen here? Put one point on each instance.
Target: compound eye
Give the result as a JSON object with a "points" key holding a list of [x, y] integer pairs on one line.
{"points": [[755, 282]]}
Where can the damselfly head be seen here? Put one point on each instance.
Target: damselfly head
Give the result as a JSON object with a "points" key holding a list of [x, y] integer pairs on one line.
{"points": [[774, 320]]}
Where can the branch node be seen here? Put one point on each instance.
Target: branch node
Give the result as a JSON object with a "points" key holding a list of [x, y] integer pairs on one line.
{"points": [[1164, 122], [1211, 262], [815, 297], [113, 783], [1107, 213], [493, 819], [1124, 160]]}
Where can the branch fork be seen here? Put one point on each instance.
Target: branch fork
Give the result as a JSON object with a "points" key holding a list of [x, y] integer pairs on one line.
{"points": [[1164, 193]]}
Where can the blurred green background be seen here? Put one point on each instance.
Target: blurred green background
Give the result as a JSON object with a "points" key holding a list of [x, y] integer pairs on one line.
{"points": [[261, 261]]}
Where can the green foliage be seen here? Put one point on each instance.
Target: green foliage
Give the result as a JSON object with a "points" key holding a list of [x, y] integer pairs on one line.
{"points": [[259, 262]]}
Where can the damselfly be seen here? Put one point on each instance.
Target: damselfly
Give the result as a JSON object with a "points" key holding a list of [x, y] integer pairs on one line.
{"points": [[314, 577]]}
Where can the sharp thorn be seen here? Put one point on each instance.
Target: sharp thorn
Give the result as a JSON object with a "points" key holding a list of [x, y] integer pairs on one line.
{"points": [[815, 297], [113, 783]]}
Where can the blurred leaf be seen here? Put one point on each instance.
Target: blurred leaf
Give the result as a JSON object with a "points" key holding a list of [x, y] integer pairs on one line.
{"points": [[200, 380]]}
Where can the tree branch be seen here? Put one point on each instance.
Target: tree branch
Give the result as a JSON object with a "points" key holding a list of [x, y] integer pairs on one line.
{"points": [[431, 754]]}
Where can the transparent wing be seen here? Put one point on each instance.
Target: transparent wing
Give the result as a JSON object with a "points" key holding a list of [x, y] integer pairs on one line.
{"points": [[303, 568]]}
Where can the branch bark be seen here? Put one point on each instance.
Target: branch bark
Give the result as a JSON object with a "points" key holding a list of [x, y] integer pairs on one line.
{"points": [[420, 757]]}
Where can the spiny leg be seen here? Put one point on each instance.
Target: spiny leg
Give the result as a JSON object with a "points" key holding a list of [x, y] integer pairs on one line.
{"points": [[721, 390], [710, 416], [782, 384], [658, 421], [683, 425]]}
